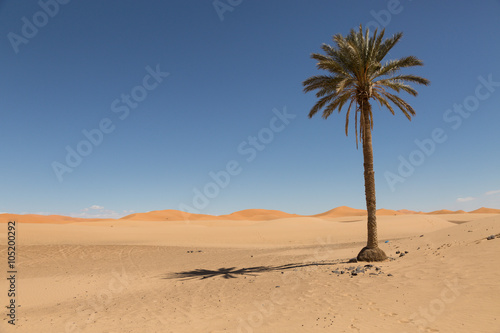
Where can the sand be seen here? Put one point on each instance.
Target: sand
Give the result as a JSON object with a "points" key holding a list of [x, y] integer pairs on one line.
{"points": [[256, 273]]}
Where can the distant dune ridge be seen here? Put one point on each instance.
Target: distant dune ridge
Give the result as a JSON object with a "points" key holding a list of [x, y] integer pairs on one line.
{"points": [[166, 215], [342, 211], [484, 210], [446, 211], [247, 214], [257, 215], [34, 218]]}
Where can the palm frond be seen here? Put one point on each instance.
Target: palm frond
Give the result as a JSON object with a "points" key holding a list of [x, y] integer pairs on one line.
{"points": [[356, 75], [393, 66]]}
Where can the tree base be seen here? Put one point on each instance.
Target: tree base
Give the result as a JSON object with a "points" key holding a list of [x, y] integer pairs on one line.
{"points": [[375, 254]]}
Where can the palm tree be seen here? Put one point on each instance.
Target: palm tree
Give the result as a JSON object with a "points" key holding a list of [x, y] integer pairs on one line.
{"points": [[357, 75]]}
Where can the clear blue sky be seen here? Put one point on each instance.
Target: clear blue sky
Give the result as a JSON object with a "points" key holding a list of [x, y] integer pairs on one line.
{"points": [[74, 68]]}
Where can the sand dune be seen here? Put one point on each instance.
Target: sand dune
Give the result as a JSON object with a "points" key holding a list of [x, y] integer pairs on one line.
{"points": [[446, 211], [277, 275], [166, 215], [484, 210], [34, 218], [342, 211], [384, 211], [175, 215], [257, 215], [247, 215], [406, 211]]}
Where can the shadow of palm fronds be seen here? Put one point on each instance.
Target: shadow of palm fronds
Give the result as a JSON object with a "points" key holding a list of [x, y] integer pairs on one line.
{"points": [[232, 272]]}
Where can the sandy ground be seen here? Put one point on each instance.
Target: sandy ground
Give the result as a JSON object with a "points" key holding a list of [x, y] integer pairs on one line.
{"points": [[242, 275]]}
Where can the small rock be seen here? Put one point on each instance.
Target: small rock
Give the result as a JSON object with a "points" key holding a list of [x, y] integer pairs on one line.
{"points": [[421, 235], [368, 266], [354, 273], [402, 255], [353, 260], [277, 286], [406, 252], [491, 237], [398, 252], [377, 268], [389, 274], [341, 272]]}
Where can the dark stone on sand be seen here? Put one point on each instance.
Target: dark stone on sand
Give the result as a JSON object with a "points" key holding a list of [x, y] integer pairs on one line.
{"points": [[491, 237], [360, 270]]}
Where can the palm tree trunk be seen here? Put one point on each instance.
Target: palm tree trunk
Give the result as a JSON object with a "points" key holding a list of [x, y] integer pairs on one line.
{"points": [[371, 252], [371, 204]]}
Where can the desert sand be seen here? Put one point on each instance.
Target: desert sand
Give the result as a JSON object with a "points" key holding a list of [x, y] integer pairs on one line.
{"points": [[256, 271]]}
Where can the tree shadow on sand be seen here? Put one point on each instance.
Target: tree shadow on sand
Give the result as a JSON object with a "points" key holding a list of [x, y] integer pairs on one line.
{"points": [[233, 272]]}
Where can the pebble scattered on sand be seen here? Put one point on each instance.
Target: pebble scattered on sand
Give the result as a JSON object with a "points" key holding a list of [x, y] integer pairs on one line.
{"points": [[490, 237], [401, 253], [357, 270]]}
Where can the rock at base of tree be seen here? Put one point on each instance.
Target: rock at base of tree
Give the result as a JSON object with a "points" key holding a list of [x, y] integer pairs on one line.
{"points": [[375, 254]]}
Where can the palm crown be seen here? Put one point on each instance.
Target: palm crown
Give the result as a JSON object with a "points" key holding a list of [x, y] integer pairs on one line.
{"points": [[357, 76]]}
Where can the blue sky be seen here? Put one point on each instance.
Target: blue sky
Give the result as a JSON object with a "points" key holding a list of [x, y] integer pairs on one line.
{"points": [[171, 93]]}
